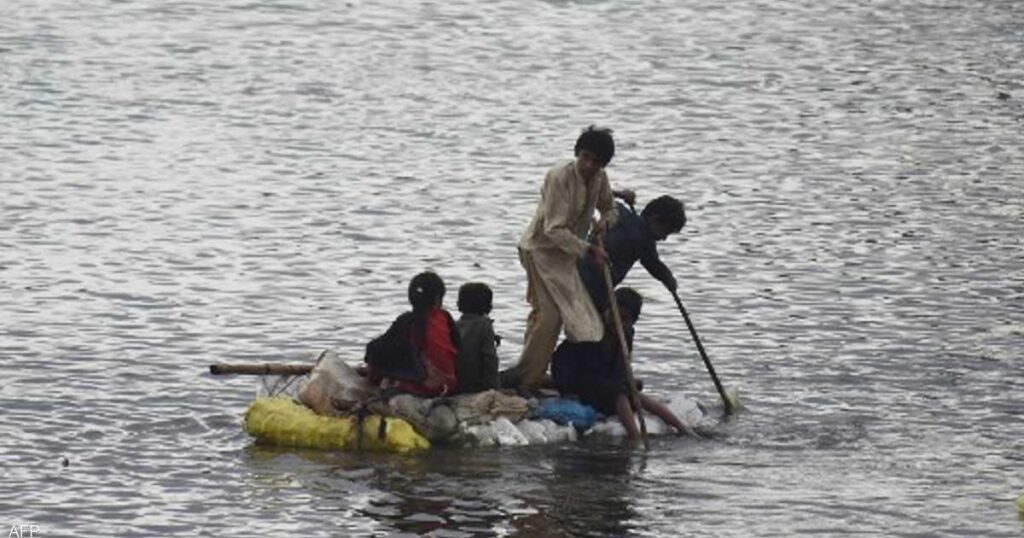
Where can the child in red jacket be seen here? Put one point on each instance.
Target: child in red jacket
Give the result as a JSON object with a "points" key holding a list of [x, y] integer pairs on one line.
{"points": [[417, 354]]}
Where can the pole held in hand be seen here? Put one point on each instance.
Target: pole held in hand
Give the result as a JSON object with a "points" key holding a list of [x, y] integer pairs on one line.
{"points": [[703, 355], [634, 398]]}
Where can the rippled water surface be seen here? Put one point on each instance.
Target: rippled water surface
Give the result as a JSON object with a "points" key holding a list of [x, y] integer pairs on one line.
{"points": [[184, 183]]}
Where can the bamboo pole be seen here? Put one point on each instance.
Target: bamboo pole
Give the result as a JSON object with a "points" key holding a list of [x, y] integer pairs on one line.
{"points": [[634, 397], [726, 402], [260, 369]]}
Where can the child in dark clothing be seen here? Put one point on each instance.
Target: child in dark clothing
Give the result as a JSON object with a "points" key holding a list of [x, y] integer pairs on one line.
{"points": [[417, 353], [477, 364], [595, 373], [633, 237]]}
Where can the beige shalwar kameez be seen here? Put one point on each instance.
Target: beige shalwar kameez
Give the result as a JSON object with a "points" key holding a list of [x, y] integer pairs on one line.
{"points": [[550, 251]]}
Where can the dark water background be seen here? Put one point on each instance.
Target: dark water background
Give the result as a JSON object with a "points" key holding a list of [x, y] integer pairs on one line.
{"points": [[183, 183]]}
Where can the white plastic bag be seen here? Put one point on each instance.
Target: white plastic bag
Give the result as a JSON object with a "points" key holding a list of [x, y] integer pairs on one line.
{"points": [[334, 387], [507, 434], [533, 431]]}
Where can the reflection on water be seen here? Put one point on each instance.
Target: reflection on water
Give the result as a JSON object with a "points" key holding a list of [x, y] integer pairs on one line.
{"points": [[579, 490], [591, 491], [185, 184]]}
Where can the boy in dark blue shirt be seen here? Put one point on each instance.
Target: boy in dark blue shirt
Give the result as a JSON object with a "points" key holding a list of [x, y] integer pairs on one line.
{"points": [[595, 373], [632, 238]]}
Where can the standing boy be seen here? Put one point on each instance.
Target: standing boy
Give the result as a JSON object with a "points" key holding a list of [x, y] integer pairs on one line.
{"points": [[634, 237], [553, 245]]}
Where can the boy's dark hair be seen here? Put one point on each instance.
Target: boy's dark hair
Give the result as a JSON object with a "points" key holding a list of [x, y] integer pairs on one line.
{"points": [[425, 290], [475, 298], [667, 209], [629, 300], [598, 140]]}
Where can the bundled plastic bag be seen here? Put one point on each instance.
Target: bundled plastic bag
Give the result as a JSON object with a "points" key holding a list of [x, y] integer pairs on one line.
{"points": [[281, 421], [688, 410], [565, 411], [558, 434], [545, 431], [533, 431], [483, 407], [443, 419], [500, 432], [333, 387], [507, 434], [432, 418]]}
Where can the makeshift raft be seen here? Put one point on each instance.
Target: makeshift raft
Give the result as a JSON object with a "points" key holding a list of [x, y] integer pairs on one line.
{"points": [[333, 408]]}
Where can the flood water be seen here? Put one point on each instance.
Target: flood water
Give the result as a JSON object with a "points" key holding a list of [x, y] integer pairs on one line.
{"points": [[183, 183]]}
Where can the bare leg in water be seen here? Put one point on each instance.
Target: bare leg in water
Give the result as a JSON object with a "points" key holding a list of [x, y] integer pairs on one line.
{"points": [[628, 420]]}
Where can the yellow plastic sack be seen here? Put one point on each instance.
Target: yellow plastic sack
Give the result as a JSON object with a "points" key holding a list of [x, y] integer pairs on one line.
{"points": [[281, 421]]}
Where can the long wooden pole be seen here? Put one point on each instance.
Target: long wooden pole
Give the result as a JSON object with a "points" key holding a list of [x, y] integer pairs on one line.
{"points": [[627, 361], [704, 355], [261, 369]]}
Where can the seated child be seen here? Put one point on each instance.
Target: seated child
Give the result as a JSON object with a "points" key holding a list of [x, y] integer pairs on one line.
{"points": [[633, 237], [477, 364], [417, 353], [595, 373]]}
